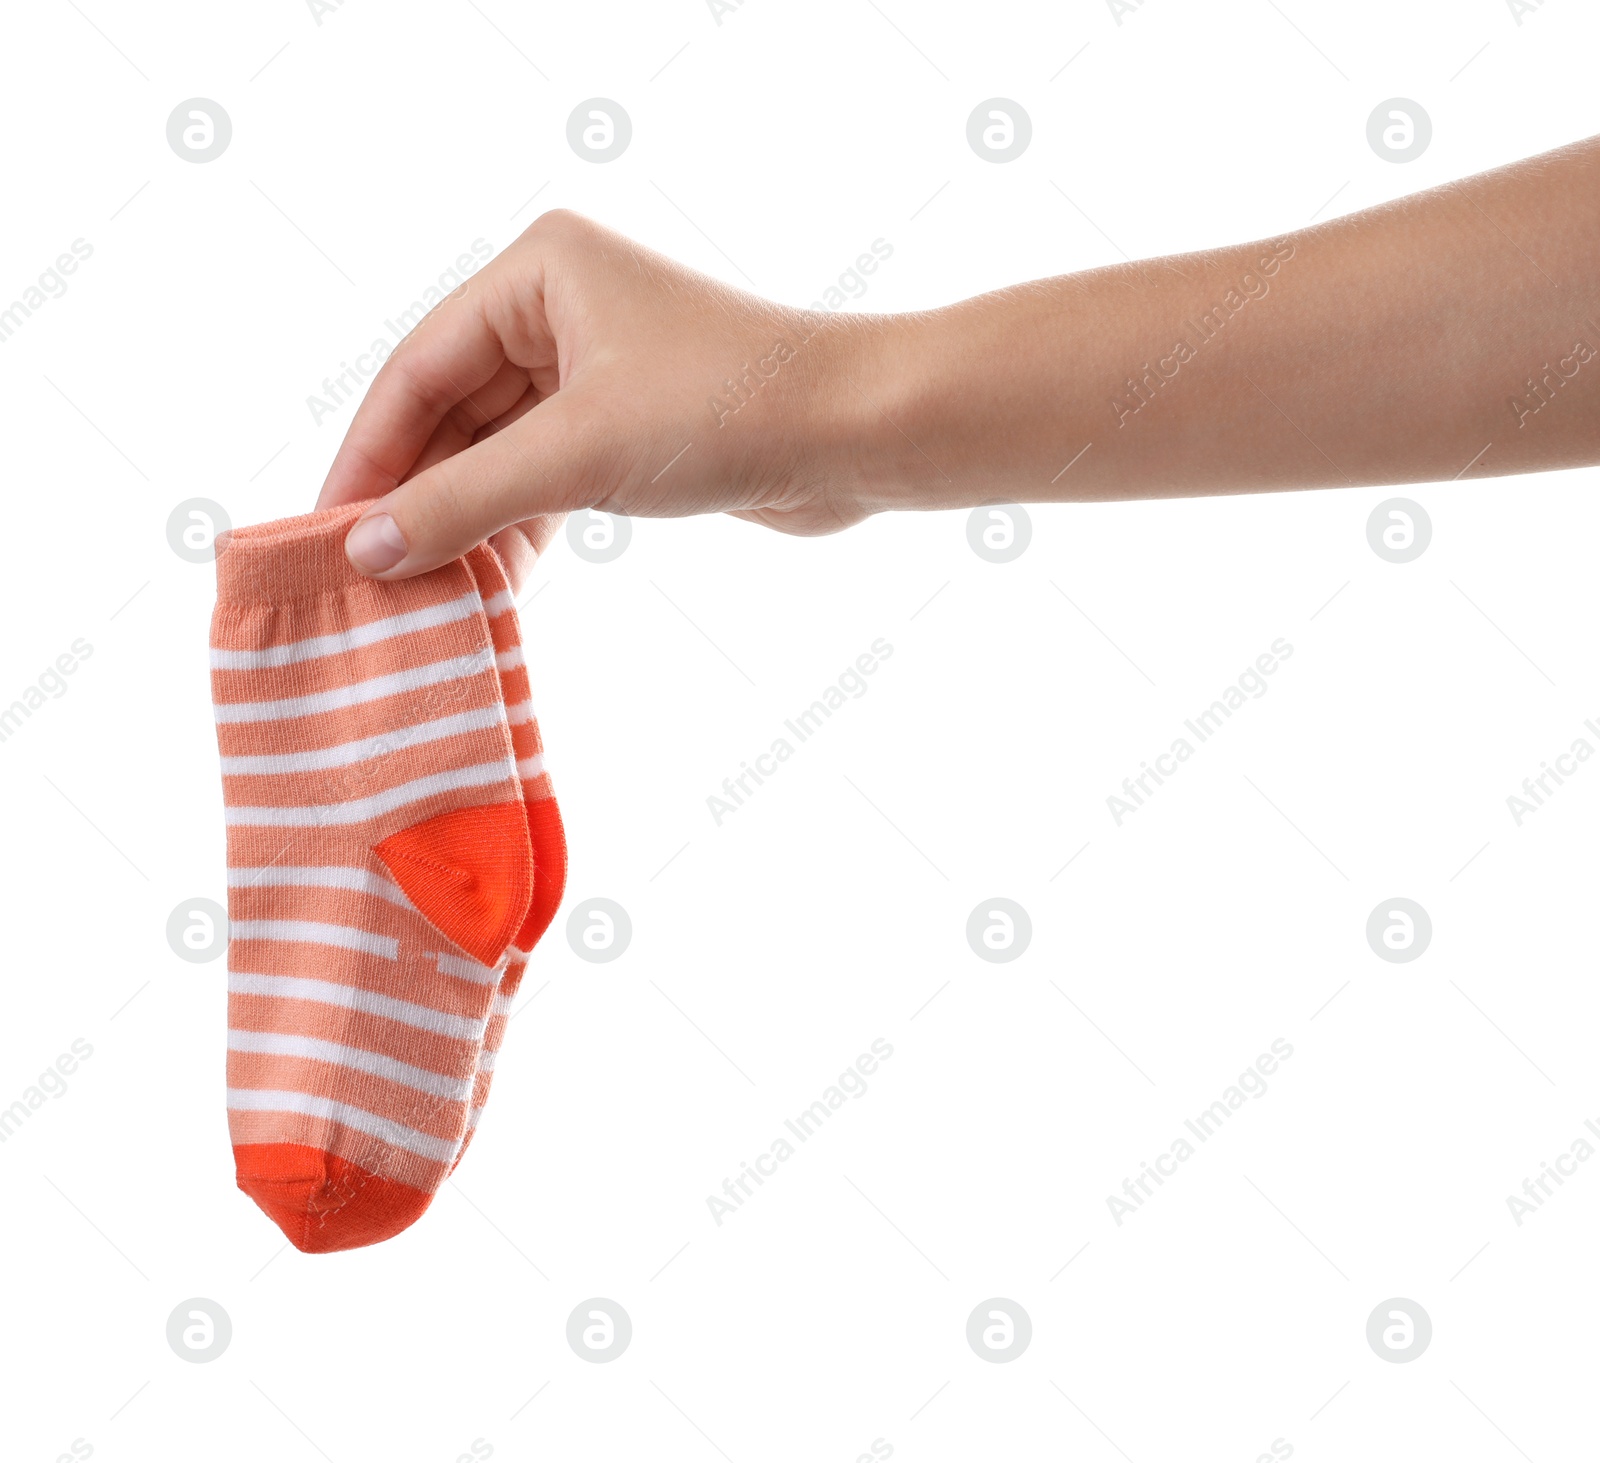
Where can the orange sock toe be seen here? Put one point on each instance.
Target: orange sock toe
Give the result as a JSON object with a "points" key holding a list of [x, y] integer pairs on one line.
{"points": [[322, 1202]]}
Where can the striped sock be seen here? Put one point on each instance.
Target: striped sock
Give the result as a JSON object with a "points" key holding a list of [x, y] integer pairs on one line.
{"points": [[379, 869], [544, 818]]}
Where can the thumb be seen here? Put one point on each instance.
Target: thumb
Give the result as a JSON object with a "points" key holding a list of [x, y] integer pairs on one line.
{"points": [[536, 465]]}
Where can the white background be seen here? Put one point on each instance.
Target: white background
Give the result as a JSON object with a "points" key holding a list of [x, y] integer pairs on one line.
{"points": [[830, 1311]]}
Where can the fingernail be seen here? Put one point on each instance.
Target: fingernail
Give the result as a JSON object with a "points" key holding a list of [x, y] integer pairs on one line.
{"points": [[375, 544]]}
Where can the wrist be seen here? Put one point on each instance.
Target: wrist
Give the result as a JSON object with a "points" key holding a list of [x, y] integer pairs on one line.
{"points": [[871, 414]]}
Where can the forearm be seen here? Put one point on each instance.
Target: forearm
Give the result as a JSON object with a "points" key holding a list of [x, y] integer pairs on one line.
{"points": [[1453, 333]]}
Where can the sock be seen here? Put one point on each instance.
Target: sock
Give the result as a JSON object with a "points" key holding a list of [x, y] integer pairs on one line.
{"points": [[379, 867], [545, 831]]}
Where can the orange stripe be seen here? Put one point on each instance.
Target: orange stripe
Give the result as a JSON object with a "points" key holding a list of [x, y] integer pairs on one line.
{"points": [[327, 906], [440, 1117], [333, 672], [356, 723], [413, 979], [364, 779], [448, 1056]]}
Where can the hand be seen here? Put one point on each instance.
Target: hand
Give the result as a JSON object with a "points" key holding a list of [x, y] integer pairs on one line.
{"points": [[578, 370]]}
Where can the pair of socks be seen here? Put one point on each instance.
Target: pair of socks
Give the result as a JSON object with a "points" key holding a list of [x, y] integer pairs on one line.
{"points": [[394, 854]]}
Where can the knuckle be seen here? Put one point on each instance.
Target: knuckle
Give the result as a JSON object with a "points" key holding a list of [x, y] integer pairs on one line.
{"points": [[559, 223]]}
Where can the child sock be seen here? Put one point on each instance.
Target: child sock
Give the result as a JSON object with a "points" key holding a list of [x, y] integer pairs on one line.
{"points": [[545, 831], [379, 868]]}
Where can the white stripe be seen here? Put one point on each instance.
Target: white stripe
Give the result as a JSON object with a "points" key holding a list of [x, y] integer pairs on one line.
{"points": [[456, 669], [365, 749], [520, 713], [342, 640], [362, 881], [509, 660], [396, 1135], [465, 969], [310, 932], [352, 998], [281, 1044], [473, 1114], [502, 1004], [358, 810], [531, 767], [498, 604], [486, 1061], [514, 955]]}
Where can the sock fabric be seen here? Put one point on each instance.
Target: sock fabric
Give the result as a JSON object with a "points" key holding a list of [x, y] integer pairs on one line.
{"points": [[545, 831], [380, 866]]}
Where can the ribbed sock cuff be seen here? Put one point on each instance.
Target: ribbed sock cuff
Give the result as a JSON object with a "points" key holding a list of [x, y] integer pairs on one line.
{"points": [[291, 559]]}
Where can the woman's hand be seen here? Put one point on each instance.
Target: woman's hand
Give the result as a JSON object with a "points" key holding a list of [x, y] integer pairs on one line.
{"points": [[579, 370]]}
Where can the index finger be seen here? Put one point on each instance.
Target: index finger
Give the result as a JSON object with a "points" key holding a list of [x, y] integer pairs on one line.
{"points": [[452, 352]]}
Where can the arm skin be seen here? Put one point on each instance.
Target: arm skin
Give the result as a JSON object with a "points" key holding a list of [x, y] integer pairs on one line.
{"points": [[1453, 333]]}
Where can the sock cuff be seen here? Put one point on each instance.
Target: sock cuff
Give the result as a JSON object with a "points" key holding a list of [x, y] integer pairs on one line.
{"points": [[290, 559]]}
